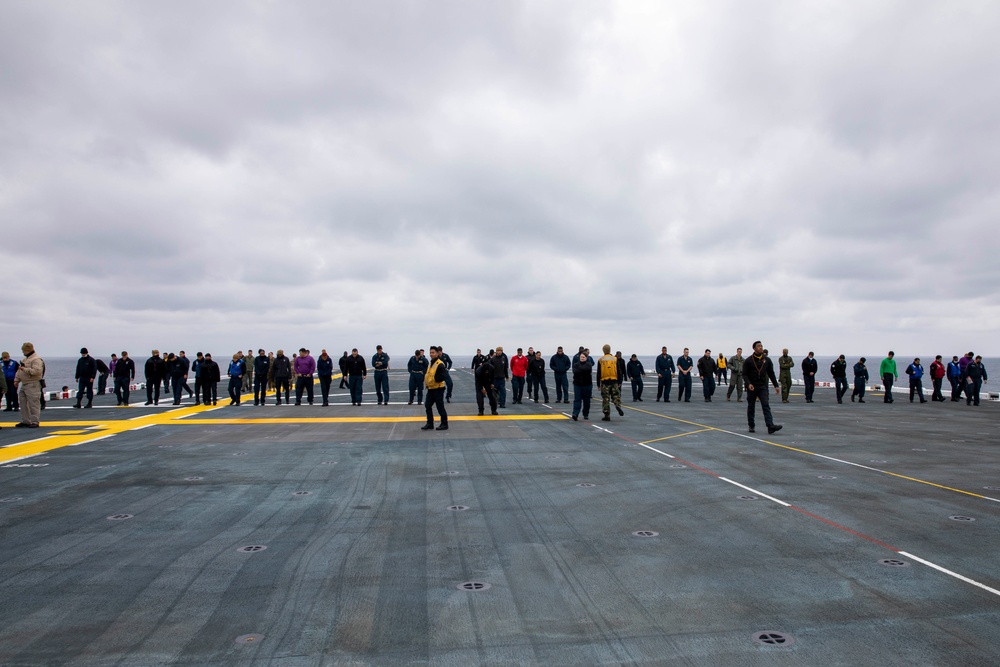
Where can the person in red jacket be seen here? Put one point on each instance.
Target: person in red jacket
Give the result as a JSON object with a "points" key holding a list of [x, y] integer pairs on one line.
{"points": [[937, 376], [518, 370]]}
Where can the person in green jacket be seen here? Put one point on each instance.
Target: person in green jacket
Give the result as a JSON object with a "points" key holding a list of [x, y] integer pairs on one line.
{"points": [[785, 366], [887, 369]]}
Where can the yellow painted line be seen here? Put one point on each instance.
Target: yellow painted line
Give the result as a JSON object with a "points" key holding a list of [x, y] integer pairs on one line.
{"points": [[362, 420], [66, 432], [679, 435], [818, 455]]}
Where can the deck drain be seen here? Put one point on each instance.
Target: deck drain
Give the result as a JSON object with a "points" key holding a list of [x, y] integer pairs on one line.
{"points": [[747, 497], [193, 479], [328, 463], [919, 449], [164, 446], [302, 493], [678, 465], [240, 454], [552, 457], [586, 485], [252, 548], [645, 533], [771, 638], [361, 507], [894, 562], [474, 586], [249, 639], [959, 517], [10, 500], [826, 477], [450, 472], [120, 517], [458, 508], [746, 453]]}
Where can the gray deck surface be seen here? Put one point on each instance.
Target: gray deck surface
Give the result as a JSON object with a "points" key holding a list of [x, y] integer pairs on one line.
{"points": [[365, 567]]}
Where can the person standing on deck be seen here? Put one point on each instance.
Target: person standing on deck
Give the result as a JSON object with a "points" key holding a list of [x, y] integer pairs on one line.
{"points": [[937, 377], [211, 376], [838, 369], [343, 370], [448, 384], [86, 371], [973, 379], [434, 381], [28, 382], [916, 373], [501, 371], [561, 365], [518, 373], [282, 370], [736, 375], [236, 371], [887, 369], [809, 368], [785, 366], [123, 377], [9, 371], [154, 370], [706, 369], [860, 380], [304, 367], [583, 384], [380, 367], [417, 367], [261, 372], [357, 371], [720, 370], [609, 379], [665, 370], [684, 366], [536, 377], [484, 385], [757, 370], [635, 373]]}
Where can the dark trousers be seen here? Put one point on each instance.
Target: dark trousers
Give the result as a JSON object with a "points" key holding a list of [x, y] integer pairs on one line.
{"points": [[708, 386], [637, 385], [86, 386], [759, 393], [209, 392], [500, 385], [684, 387], [152, 391], [736, 382], [448, 384], [197, 388], [259, 388], [122, 390], [416, 387], [937, 395], [581, 399], [235, 388], [102, 383], [917, 389], [435, 397], [303, 384], [279, 384], [859, 387], [324, 388], [972, 390], [956, 387], [382, 386], [810, 382], [166, 385], [356, 384], [840, 385], [11, 395], [887, 380], [178, 385], [490, 394], [561, 380], [536, 383], [517, 387]]}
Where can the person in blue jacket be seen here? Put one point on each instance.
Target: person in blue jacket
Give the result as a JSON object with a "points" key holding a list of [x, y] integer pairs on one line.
{"points": [[236, 370], [860, 380], [417, 366], [380, 366], [665, 370], [635, 373], [916, 373], [955, 378], [684, 365], [9, 371], [560, 364]]}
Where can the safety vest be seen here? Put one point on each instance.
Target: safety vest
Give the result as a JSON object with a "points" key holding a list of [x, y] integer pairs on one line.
{"points": [[429, 377], [607, 368]]}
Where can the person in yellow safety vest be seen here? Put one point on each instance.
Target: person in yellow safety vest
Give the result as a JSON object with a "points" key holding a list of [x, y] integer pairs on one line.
{"points": [[434, 380], [609, 379]]}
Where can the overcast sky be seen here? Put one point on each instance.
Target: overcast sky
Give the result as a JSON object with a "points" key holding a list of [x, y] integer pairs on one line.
{"points": [[223, 175]]}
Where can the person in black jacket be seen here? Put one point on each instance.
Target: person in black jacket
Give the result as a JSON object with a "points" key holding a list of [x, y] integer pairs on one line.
{"points": [[86, 371], [178, 376], [973, 378], [484, 385], [583, 384], [757, 370], [838, 369], [211, 375], [102, 376], [501, 371], [282, 371], [357, 371], [124, 375], [561, 364], [635, 373], [860, 380], [261, 368], [809, 368], [706, 369], [536, 376], [324, 371], [154, 371], [343, 370]]}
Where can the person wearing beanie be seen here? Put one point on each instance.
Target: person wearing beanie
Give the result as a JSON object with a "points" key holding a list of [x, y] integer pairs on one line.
{"points": [[609, 380], [86, 371], [28, 380]]}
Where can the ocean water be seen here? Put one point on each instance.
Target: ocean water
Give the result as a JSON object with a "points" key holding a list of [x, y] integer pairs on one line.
{"points": [[59, 371]]}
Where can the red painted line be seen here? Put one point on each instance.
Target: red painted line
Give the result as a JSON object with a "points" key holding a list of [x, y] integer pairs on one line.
{"points": [[845, 529]]}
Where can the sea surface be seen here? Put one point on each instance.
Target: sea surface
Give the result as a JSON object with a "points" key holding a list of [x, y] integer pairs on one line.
{"points": [[59, 371]]}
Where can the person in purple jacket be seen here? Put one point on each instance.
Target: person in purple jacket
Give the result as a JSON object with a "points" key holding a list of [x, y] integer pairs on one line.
{"points": [[304, 368]]}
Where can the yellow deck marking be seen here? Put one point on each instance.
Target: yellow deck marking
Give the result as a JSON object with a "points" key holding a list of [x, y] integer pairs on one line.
{"points": [[679, 435], [823, 456], [49, 440]]}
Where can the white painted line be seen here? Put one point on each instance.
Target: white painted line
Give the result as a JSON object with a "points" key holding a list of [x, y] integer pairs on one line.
{"points": [[654, 449], [139, 428], [21, 458], [90, 440], [25, 442], [762, 495], [950, 573]]}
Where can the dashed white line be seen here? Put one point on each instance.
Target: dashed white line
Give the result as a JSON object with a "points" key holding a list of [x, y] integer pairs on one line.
{"points": [[950, 573], [755, 491]]}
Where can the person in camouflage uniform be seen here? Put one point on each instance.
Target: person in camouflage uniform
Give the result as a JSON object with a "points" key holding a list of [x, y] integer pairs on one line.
{"points": [[609, 379], [735, 365]]}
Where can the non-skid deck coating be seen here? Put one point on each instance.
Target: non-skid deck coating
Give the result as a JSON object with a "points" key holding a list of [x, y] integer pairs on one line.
{"points": [[367, 544]]}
